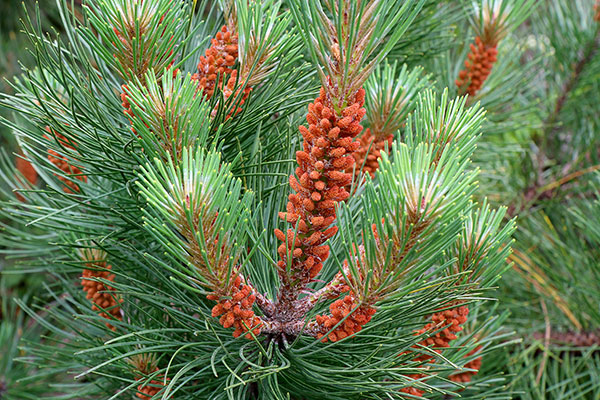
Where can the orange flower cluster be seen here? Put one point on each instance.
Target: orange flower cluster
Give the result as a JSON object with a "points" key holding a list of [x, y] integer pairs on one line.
{"points": [[125, 103], [465, 377], [62, 163], [101, 294], [27, 170], [228, 93], [322, 178], [30, 174], [340, 309], [217, 61], [478, 66], [367, 156], [597, 10], [235, 310], [150, 389], [450, 320]]}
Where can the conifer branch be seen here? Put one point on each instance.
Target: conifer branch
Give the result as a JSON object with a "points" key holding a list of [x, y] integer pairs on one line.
{"points": [[134, 36], [334, 121], [572, 338], [202, 205], [496, 18], [390, 98], [571, 83], [357, 293]]}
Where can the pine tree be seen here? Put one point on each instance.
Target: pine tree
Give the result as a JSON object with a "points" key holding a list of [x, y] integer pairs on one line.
{"points": [[302, 200]]}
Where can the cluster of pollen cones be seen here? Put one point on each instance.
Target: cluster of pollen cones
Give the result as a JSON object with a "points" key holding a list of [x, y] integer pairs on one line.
{"points": [[217, 62], [355, 318], [102, 295], [478, 66], [369, 152], [327, 154], [216, 66], [235, 310], [150, 389], [446, 324]]}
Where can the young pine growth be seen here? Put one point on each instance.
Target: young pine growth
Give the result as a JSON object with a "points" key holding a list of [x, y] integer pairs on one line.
{"points": [[390, 98], [492, 21], [212, 214], [146, 364], [94, 280]]}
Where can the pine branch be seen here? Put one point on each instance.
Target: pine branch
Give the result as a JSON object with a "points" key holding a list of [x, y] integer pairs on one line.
{"points": [[572, 338], [182, 207], [588, 53]]}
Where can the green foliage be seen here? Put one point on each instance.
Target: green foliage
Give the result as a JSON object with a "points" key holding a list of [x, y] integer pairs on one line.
{"points": [[19, 372], [353, 45], [131, 37], [202, 195], [182, 122], [391, 95]]}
